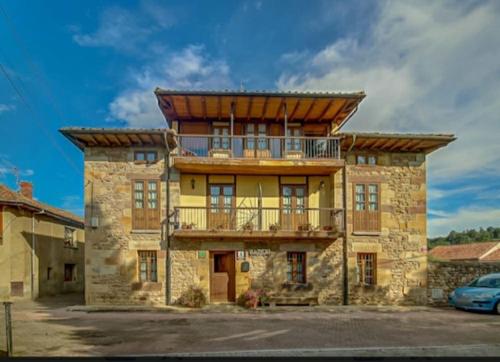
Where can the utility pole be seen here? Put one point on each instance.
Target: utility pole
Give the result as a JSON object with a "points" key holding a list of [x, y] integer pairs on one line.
{"points": [[8, 327]]}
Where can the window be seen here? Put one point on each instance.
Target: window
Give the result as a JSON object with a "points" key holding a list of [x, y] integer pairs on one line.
{"points": [[296, 267], [294, 143], [366, 207], [220, 141], [260, 132], [146, 205], [366, 160], [70, 237], [367, 268], [293, 199], [69, 272], [145, 156], [147, 266]]}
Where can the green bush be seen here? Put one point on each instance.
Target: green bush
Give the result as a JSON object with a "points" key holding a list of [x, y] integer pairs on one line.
{"points": [[194, 297]]}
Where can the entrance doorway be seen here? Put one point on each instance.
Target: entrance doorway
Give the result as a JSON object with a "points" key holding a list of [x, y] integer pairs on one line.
{"points": [[222, 281]]}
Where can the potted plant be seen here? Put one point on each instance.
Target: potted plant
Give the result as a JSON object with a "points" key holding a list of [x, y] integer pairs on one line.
{"points": [[305, 227], [248, 226], [274, 227]]}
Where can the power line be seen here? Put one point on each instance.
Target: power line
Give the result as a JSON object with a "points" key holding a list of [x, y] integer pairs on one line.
{"points": [[32, 65], [40, 125]]}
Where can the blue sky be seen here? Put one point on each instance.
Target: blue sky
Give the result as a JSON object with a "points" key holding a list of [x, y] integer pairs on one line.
{"points": [[425, 66]]}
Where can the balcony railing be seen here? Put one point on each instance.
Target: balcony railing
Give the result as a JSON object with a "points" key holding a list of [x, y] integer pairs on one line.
{"points": [[260, 147], [258, 219]]}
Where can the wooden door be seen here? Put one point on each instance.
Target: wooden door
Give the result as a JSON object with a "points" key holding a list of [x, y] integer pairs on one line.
{"points": [[221, 207], [222, 276], [293, 207]]}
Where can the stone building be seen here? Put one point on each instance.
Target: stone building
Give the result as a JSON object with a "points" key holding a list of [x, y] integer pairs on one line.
{"points": [[265, 192], [41, 247]]}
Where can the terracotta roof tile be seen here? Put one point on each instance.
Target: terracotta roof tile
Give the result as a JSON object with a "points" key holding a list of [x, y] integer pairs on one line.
{"points": [[494, 256], [8, 196], [471, 251]]}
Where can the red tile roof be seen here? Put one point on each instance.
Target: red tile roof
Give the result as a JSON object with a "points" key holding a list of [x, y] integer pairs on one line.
{"points": [[10, 197], [493, 256], [471, 251]]}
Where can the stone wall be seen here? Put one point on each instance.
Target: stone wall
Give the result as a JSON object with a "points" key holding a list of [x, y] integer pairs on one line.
{"points": [[444, 277], [267, 269], [111, 249], [401, 244]]}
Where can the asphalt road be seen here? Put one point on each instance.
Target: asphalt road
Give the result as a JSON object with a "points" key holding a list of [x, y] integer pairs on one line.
{"points": [[48, 328]]}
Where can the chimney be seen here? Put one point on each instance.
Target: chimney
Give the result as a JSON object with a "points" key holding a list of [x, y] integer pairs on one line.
{"points": [[26, 189]]}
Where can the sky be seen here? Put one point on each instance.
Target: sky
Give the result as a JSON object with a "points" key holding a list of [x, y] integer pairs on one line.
{"points": [[426, 66]]}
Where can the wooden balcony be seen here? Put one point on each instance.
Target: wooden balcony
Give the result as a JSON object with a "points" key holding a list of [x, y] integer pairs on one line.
{"points": [[258, 155], [258, 223]]}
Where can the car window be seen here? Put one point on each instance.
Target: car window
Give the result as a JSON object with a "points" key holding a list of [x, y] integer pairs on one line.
{"points": [[486, 282]]}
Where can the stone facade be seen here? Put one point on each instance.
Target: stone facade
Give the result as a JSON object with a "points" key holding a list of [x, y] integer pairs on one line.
{"points": [[401, 244], [111, 248], [444, 277]]}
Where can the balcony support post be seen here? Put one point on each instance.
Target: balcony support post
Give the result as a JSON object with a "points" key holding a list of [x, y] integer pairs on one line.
{"points": [[285, 111], [345, 273], [232, 128]]}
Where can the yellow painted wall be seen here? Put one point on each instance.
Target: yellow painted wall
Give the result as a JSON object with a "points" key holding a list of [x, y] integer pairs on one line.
{"points": [[196, 197], [16, 255]]}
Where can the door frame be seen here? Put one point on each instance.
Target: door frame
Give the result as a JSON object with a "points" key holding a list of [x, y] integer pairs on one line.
{"points": [[231, 289]]}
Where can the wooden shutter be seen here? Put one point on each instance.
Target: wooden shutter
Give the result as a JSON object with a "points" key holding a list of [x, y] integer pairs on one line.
{"points": [[153, 205], [138, 204], [366, 213]]}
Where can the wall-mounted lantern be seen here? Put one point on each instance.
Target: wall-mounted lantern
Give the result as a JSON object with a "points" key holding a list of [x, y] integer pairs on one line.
{"points": [[193, 184]]}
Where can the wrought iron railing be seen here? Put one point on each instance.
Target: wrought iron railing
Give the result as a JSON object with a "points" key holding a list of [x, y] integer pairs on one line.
{"points": [[258, 219], [272, 147]]}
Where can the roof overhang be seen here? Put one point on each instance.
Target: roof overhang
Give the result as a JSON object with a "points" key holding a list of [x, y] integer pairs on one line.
{"points": [[119, 137], [46, 212], [245, 105], [394, 142]]}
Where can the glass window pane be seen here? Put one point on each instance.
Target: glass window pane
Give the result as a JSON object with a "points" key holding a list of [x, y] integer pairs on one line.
{"points": [[228, 190], [139, 185], [361, 160], [372, 160], [214, 190], [151, 156]]}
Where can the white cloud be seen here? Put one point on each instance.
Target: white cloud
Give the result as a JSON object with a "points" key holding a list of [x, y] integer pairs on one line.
{"points": [[125, 30], [6, 107], [427, 67], [189, 68], [465, 218]]}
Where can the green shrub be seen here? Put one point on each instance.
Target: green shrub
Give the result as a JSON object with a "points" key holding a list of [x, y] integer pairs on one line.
{"points": [[193, 297]]}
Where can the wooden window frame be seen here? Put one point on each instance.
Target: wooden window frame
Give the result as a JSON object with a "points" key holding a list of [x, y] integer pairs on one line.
{"points": [[151, 258], [221, 136], [291, 256], [151, 216], [145, 153], [366, 220], [256, 135], [367, 156], [361, 261], [294, 196]]}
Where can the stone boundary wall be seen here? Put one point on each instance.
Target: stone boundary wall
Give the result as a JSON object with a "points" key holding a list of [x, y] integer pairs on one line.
{"points": [[444, 277]]}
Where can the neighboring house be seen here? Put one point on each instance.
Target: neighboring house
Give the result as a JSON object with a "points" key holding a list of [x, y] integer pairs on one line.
{"points": [[41, 247], [264, 192], [488, 251]]}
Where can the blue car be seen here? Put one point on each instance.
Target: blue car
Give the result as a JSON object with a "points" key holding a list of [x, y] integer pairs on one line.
{"points": [[483, 294]]}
